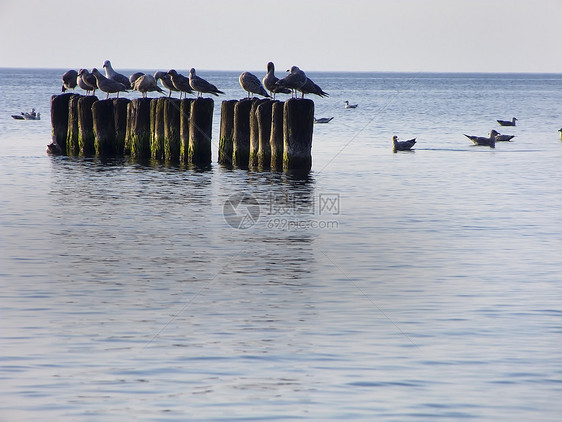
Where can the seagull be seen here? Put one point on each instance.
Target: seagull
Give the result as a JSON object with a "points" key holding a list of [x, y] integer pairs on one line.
{"points": [[134, 77], [201, 86], [311, 88], [402, 145], [508, 122], [166, 81], [69, 80], [504, 138], [490, 141], [323, 120], [270, 81], [147, 83], [180, 82], [250, 82], [108, 85], [87, 81], [347, 105], [112, 74], [294, 80]]}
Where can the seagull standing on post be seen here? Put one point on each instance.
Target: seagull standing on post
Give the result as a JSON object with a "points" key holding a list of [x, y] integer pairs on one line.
{"points": [[201, 86]]}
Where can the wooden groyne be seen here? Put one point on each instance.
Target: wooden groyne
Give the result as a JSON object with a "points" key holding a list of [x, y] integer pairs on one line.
{"points": [[254, 133]]}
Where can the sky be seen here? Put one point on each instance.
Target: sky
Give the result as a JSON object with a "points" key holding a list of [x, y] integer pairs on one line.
{"points": [[316, 35]]}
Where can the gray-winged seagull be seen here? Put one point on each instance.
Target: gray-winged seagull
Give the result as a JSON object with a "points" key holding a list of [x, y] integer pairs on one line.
{"points": [[201, 86], [347, 105], [250, 83], [166, 82], [490, 141], [180, 82], [402, 145], [311, 88], [147, 83], [508, 122], [294, 80], [270, 81], [69, 80], [113, 75], [87, 81], [106, 85]]}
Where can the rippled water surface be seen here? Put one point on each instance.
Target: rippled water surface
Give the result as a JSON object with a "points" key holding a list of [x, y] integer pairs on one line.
{"points": [[380, 286]]}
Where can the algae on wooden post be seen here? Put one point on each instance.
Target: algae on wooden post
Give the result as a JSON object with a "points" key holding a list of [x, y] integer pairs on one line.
{"points": [[72, 147], [120, 121], [185, 119], [86, 138], [276, 138], [172, 144], [226, 132], [298, 123], [104, 127], [200, 131], [138, 128], [263, 114], [241, 139], [158, 136], [59, 119], [254, 132]]}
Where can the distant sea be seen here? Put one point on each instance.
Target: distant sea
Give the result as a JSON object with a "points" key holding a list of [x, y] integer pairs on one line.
{"points": [[408, 286]]}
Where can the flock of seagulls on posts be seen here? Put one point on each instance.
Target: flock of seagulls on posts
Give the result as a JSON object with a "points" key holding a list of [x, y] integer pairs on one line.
{"points": [[295, 81]]}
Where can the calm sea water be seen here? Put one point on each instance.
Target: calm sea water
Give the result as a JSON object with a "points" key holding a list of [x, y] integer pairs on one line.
{"points": [[393, 287]]}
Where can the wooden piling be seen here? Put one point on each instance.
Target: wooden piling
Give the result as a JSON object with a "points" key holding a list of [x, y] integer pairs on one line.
{"points": [[298, 123], [185, 118], [120, 121], [72, 147], [241, 138], [226, 132], [276, 137], [263, 114], [157, 135], [172, 144], [86, 138], [200, 131], [59, 119], [104, 128], [138, 128], [254, 132]]}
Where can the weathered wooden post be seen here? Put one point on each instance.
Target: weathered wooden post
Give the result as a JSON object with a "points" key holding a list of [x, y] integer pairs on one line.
{"points": [[72, 147], [185, 118], [200, 131], [254, 132], [263, 114], [157, 135], [226, 132], [104, 128], [138, 128], [59, 119], [86, 138], [241, 138], [120, 120], [276, 138], [172, 144], [298, 123]]}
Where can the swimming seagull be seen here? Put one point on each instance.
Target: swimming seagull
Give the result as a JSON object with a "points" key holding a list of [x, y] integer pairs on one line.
{"points": [[87, 81], [294, 80], [166, 82], [69, 80], [108, 85], [323, 120], [490, 141], [402, 145], [504, 138], [201, 86], [180, 82], [508, 122], [113, 75], [250, 83], [311, 88], [270, 82], [147, 83], [347, 105]]}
